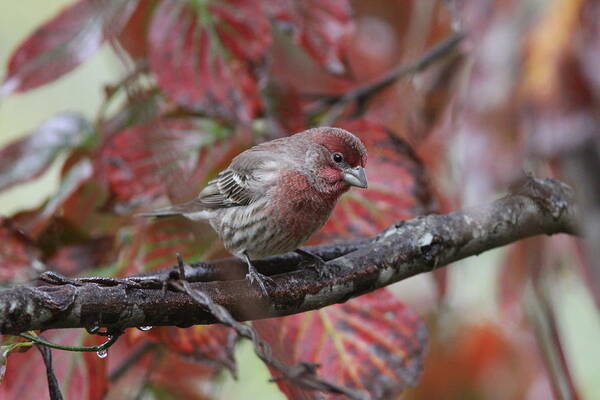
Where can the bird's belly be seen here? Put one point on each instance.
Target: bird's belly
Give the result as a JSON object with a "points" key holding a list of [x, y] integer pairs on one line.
{"points": [[264, 233]]}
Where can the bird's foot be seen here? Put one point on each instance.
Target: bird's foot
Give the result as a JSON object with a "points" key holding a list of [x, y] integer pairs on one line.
{"points": [[256, 277], [263, 281], [315, 262]]}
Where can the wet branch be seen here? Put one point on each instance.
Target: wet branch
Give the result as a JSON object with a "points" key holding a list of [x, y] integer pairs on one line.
{"points": [[302, 374], [401, 251]]}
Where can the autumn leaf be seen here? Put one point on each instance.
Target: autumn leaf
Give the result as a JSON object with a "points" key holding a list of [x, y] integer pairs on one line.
{"points": [[212, 345], [321, 27], [166, 156], [10, 344], [72, 180], [373, 343], [183, 378], [134, 35], [19, 256], [81, 376], [153, 244], [28, 158], [201, 54], [71, 259], [158, 370], [64, 42], [482, 361]]}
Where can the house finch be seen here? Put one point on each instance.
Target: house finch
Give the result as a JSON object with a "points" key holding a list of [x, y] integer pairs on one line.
{"points": [[275, 195]]}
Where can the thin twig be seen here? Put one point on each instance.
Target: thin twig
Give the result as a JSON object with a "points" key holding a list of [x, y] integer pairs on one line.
{"points": [[543, 319], [99, 348], [111, 90], [53, 387], [360, 94]]}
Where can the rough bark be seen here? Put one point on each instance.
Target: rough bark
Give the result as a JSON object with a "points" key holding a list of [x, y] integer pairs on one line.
{"points": [[405, 249]]}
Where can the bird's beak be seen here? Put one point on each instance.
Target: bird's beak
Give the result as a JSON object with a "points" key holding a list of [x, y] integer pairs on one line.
{"points": [[355, 177]]}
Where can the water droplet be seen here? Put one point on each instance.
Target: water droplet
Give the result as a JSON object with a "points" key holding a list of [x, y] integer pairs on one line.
{"points": [[144, 328], [102, 353]]}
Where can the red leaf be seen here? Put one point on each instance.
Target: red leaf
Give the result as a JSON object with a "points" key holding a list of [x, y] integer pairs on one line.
{"points": [[72, 259], [134, 34], [482, 362], [10, 344], [79, 375], [199, 54], [287, 108], [18, 254], [83, 212], [72, 180], [372, 343], [175, 156], [165, 372], [27, 158], [397, 190], [155, 244], [95, 369], [127, 162], [64, 42], [210, 344], [183, 379], [321, 27]]}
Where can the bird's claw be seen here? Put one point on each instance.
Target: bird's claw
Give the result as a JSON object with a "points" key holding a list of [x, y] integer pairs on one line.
{"points": [[262, 280], [325, 271], [316, 263], [256, 277]]}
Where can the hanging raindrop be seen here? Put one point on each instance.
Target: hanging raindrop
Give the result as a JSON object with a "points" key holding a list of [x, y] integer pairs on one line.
{"points": [[102, 353], [144, 328]]}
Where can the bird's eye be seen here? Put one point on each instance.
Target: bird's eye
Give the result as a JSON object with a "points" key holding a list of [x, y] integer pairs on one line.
{"points": [[338, 158]]}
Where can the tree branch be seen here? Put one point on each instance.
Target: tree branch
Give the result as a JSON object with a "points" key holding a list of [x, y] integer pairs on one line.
{"points": [[360, 94], [405, 249], [302, 374]]}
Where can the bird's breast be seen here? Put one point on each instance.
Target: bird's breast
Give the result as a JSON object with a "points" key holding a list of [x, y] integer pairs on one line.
{"points": [[271, 225]]}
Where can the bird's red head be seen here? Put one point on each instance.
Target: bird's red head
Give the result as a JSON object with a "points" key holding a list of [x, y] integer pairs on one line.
{"points": [[341, 160], [342, 142]]}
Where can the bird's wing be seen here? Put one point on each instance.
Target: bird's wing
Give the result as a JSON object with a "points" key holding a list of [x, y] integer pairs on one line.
{"points": [[246, 179]]}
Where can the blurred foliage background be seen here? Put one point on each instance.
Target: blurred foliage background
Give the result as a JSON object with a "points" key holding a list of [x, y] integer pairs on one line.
{"points": [[81, 90], [488, 327]]}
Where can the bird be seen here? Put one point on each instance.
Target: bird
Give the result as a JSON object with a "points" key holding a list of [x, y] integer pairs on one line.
{"points": [[272, 197]]}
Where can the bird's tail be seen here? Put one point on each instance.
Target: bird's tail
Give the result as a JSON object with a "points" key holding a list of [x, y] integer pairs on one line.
{"points": [[192, 210], [159, 213]]}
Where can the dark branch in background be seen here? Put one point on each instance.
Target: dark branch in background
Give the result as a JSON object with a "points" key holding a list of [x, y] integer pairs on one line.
{"points": [[336, 104], [401, 251], [132, 358], [543, 320], [53, 387]]}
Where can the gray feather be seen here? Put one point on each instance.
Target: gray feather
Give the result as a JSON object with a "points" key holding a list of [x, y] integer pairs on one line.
{"points": [[190, 207]]}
